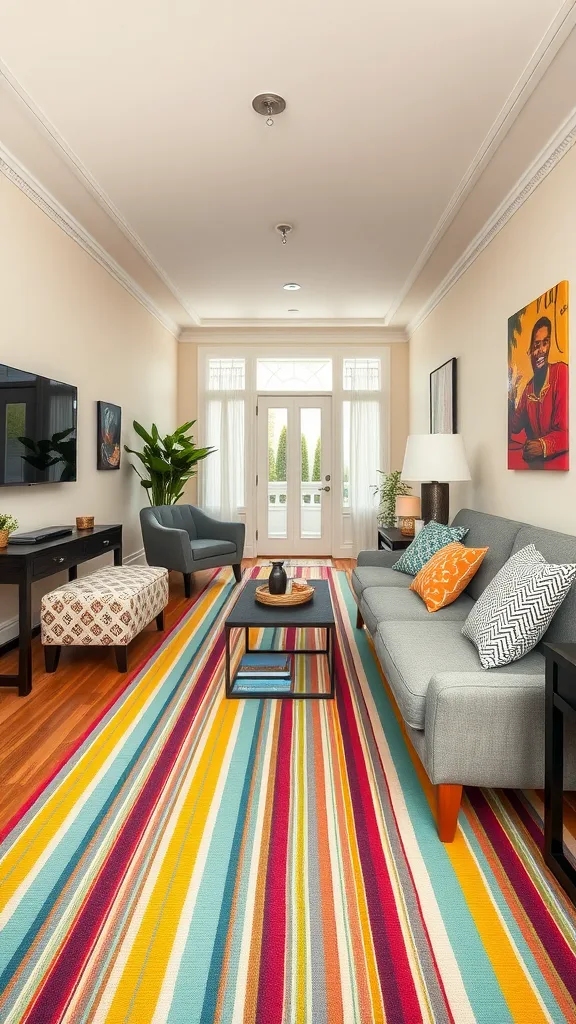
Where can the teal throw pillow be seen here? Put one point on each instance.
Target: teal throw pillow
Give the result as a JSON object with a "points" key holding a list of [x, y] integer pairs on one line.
{"points": [[431, 538]]}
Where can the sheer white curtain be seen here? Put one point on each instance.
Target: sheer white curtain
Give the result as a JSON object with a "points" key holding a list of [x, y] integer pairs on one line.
{"points": [[223, 472], [362, 384], [364, 464]]}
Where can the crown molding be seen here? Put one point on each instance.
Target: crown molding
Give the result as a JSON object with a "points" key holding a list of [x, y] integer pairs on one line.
{"points": [[92, 186], [15, 172], [558, 31], [548, 158], [290, 322], [258, 331]]}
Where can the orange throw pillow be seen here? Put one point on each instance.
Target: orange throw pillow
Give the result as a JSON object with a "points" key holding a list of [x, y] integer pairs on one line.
{"points": [[447, 574]]}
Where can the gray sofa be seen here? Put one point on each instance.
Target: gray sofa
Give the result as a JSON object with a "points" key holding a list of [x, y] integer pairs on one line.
{"points": [[469, 726], [183, 538]]}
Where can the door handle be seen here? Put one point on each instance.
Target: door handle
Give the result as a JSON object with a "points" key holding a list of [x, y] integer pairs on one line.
{"points": [[324, 488]]}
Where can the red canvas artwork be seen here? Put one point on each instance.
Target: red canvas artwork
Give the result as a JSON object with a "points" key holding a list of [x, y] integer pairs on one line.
{"points": [[538, 383]]}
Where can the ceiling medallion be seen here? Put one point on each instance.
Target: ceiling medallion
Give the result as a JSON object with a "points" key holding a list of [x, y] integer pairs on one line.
{"points": [[284, 230], [269, 104]]}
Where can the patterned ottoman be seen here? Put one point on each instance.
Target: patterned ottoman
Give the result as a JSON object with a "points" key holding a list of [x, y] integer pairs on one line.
{"points": [[106, 609]]}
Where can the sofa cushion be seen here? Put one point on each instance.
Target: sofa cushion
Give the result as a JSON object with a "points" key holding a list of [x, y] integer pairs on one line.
{"points": [[385, 604], [441, 581], [492, 532], [431, 539], [561, 549], [371, 576], [211, 548], [412, 652]]}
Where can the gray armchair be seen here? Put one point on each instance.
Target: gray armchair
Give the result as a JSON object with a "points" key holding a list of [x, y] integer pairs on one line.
{"points": [[183, 538]]}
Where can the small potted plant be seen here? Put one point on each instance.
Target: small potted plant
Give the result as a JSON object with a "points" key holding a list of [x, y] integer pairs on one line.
{"points": [[390, 487], [7, 526]]}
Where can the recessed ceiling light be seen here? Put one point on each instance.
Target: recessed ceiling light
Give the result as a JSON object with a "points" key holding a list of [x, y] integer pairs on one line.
{"points": [[291, 286], [293, 310]]}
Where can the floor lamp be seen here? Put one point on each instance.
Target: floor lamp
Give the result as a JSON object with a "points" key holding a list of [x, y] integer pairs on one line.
{"points": [[435, 460]]}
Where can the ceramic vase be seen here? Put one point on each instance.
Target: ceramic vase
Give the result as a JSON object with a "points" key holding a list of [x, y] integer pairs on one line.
{"points": [[277, 580]]}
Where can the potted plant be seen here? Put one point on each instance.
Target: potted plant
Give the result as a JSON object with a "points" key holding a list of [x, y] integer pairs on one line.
{"points": [[389, 488], [7, 526], [168, 461]]}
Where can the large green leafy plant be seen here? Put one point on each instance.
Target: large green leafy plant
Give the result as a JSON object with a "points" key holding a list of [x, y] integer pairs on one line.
{"points": [[168, 462], [390, 486]]}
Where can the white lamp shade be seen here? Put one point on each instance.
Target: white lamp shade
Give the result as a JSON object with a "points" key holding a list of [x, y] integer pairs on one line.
{"points": [[435, 457], [408, 506]]}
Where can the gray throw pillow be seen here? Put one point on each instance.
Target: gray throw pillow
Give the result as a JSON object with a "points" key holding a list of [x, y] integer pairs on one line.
{"points": [[431, 538], [512, 614]]}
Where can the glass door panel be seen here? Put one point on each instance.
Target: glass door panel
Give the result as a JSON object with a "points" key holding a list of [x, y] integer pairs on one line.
{"points": [[293, 490], [310, 474], [277, 476]]}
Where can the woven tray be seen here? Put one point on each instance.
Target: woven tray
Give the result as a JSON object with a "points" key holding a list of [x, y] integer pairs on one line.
{"points": [[301, 593]]}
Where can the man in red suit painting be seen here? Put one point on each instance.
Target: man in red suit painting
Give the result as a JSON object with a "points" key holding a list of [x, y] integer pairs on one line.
{"points": [[542, 412]]}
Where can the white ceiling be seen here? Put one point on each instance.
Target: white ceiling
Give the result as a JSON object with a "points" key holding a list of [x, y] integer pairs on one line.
{"points": [[388, 106]]}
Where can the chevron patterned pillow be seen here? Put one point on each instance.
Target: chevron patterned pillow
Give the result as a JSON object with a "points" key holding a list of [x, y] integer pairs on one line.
{"points": [[515, 610]]}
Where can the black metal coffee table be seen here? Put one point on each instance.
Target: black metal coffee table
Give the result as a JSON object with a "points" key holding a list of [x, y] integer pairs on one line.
{"points": [[318, 613]]}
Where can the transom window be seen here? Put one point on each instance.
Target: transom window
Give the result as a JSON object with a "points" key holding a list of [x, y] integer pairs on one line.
{"points": [[361, 375], [294, 374], [226, 374]]}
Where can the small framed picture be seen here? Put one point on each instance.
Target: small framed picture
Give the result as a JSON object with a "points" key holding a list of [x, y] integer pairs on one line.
{"points": [[109, 419], [443, 399]]}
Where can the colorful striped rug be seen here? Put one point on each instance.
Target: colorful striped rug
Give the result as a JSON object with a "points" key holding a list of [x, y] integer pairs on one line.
{"points": [[262, 862]]}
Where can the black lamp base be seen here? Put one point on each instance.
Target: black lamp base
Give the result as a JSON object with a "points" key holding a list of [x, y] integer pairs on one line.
{"points": [[435, 502]]}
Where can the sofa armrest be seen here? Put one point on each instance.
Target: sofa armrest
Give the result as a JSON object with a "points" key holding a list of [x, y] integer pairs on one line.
{"points": [[383, 559], [166, 546], [487, 729], [213, 529]]}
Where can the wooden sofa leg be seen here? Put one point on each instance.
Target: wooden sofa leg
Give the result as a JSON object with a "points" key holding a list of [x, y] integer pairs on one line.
{"points": [[51, 657], [448, 797], [121, 653], [187, 578], [359, 619], [238, 572], [160, 620]]}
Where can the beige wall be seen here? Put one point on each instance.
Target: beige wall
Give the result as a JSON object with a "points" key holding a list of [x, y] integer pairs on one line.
{"points": [[62, 315], [399, 403], [188, 400], [535, 250]]}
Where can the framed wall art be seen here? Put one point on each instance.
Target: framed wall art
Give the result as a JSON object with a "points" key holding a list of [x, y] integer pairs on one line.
{"points": [[538, 383], [443, 399], [109, 427]]}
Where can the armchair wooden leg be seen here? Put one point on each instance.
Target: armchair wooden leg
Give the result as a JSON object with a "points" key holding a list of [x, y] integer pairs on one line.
{"points": [[448, 798], [359, 619], [121, 658], [160, 620], [187, 579], [238, 572], [51, 657]]}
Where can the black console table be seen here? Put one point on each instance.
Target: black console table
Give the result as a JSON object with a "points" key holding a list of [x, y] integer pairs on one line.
{"points": [[23, 564], [560, 701], [390, 539]]}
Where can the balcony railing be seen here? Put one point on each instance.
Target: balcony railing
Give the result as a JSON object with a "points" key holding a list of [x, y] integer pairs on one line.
{"points": [[309, 493]]}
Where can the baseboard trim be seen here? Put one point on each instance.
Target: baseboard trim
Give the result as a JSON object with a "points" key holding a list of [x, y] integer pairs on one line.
{"points": [[9, 628]]}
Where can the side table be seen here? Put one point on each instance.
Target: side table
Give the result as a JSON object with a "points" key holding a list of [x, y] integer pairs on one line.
{"points": [[390, 539], [560, 701]]}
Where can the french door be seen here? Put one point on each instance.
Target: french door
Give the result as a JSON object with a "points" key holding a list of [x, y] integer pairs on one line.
{"points": [[294, 490]]}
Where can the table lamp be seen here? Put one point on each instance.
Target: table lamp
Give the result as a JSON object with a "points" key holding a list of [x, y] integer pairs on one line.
{"points": [[407, 510], [434, 460]]}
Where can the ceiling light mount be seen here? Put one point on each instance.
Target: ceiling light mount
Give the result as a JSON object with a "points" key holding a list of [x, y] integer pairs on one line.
{"points": [[269, 104], [291, 286], [284, 230]]}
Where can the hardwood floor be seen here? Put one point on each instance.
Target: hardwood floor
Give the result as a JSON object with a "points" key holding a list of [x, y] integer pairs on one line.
{"points": [[37, 731]]}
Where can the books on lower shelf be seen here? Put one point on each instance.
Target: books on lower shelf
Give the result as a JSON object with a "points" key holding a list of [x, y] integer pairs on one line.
{"points": [[264, 671]]}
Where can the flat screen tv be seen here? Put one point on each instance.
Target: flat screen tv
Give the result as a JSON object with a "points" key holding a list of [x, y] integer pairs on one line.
{"points": [[37, 429]]}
